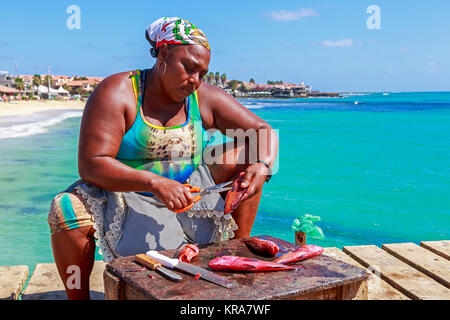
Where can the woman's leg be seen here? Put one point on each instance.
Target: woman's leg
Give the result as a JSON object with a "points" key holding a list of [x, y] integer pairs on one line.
{"points": [[74, 253], [73, 243], [229, 162]]}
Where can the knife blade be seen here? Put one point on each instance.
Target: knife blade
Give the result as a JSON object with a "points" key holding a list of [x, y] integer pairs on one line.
{"points": [[154, 265], [191, 269]]}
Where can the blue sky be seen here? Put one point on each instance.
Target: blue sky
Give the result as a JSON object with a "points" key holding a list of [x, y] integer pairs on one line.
{"points": [[326, 44]]}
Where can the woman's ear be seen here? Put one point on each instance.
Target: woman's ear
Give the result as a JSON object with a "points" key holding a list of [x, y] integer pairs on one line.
{"points": [[163, 51]]}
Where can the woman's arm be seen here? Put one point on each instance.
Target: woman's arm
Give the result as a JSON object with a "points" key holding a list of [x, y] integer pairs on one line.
{"points": [[223, 112], [109, 112]]}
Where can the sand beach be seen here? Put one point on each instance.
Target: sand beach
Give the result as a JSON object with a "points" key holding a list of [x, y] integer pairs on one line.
{"points": [[20, 107]]}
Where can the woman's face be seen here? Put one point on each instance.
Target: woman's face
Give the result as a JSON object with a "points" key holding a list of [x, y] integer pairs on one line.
{"points": [[186, 67]]}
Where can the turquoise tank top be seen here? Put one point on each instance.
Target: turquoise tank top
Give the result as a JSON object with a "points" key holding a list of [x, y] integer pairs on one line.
{"points": [[172, 152]]}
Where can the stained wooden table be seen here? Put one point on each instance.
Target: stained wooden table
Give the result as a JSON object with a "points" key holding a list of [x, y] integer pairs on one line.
{"points": [[321, 277]]}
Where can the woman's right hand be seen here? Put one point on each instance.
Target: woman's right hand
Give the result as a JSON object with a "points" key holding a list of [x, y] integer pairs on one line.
{"points": [[172, 193]]}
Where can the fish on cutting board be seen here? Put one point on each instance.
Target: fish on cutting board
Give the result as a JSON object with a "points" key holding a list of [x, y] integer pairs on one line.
{"points": [[305, 252], [236, 263], [261, 246], [187, 252]]}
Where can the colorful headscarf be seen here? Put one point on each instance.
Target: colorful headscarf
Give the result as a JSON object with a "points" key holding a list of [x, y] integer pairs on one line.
{"points": [[174, 31]]}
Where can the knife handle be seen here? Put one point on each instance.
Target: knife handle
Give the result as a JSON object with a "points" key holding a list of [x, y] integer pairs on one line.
{"points": [[165, 261], [147, 261]]}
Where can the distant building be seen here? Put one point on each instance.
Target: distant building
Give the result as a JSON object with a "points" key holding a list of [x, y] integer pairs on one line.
{"points": [[7, 80], [44, 92], [85, 85], [8, 91], [60, 80], [279, 90]]}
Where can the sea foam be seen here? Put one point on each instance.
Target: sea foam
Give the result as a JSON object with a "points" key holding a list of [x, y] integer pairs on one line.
{"points": [[33, 128]]}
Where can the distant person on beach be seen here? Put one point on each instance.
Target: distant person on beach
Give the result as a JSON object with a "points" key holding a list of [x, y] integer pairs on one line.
{"points": [[143, 134]]}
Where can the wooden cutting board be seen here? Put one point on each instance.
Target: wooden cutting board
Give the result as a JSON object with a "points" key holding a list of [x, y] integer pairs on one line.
{"points": [[320, 276]]}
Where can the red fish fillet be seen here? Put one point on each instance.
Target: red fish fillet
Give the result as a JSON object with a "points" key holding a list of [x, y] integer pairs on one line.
{"points": [[263, 247], [234, 196], [235, 263], [305, 252], [187, 252]]}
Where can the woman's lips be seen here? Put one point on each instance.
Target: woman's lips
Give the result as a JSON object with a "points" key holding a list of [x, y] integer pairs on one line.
{"points": [[189, 92]]}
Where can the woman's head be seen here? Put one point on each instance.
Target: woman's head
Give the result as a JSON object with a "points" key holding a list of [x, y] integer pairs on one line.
{"points": [[174, 31], [183, 54]]}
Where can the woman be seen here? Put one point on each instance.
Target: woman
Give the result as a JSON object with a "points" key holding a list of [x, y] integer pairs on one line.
{"points": [[142, 135]]}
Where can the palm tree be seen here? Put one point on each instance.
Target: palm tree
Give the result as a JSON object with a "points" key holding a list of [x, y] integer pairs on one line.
{"points": [[218, 79], [234, 84], [19, 85], [223, 78], [211, 78], [48, 79], [37, 81]]}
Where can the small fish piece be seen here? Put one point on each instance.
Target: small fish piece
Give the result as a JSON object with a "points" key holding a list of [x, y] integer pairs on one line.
{"points": [[236, 263], [187, 252], [304, 252], [263, 247], [235, 195]]}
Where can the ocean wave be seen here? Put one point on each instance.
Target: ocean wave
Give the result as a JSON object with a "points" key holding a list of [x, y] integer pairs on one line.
{"points": [[254, 106], [283, 104], [33, 128], [355, 94]]}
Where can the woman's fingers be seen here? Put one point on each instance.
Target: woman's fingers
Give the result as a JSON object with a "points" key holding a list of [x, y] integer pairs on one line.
{"points": [[247, 178], [184, 199], [188, 196], [170, 205], [249, 193], [175, 195], [177, 204]]}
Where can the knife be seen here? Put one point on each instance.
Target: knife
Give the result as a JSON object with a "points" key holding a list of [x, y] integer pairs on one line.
{"points": [[156, 266], [189, 268]]}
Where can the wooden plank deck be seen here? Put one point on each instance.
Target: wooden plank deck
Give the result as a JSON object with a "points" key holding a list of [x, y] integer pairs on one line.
{"points": [[45, 283], [400, 271], [441, 248], [405, 278], [431, 264], [378, 289], [12, 281]]}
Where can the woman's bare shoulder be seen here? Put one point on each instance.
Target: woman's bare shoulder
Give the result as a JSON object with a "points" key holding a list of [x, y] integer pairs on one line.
{"points": [[115, 89], [114, 95], [208, 92]]}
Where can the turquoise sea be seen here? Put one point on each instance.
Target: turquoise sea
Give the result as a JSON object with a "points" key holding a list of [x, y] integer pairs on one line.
{"points": [[373, 166]]}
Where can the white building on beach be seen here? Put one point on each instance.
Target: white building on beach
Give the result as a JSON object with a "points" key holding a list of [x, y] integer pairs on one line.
{"points": [[43, 90]]}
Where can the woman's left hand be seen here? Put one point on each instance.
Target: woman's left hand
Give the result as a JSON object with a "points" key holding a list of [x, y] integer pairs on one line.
{"points": [[254, 178]]}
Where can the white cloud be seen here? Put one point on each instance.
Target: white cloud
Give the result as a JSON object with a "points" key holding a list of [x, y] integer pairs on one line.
{"points": [[285, 15], [347, 42]]}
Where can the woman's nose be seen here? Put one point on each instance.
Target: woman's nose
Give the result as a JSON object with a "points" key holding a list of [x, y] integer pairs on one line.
{"points": [[194, 79]]}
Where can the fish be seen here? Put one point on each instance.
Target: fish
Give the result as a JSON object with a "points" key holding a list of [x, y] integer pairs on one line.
{"points": [[236, 263], [263, 247], [304, 252], [187, 252], [235, 195]]}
